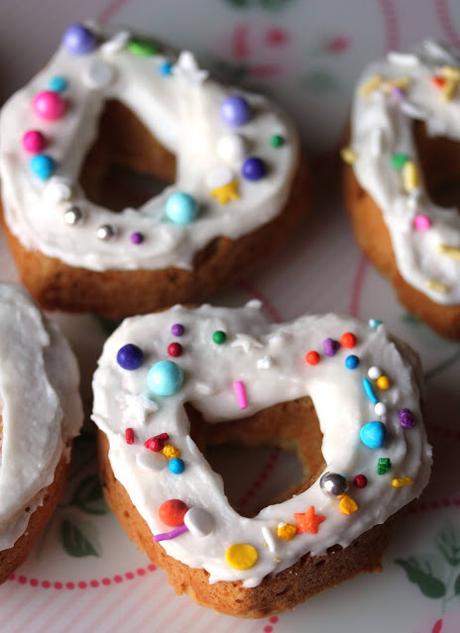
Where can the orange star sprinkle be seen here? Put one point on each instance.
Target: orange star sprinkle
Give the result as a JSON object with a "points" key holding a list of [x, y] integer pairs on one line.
{"points": [[309, 521]]}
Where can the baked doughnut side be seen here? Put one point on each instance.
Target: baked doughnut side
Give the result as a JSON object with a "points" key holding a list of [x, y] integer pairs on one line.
{"points": [[117, 293], [276, 593], [374, 239]]}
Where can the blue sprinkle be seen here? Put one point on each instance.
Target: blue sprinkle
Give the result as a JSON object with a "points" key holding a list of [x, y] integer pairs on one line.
{"points": [[58, 83], [166, 69], [374, 323], [372, 434], [42, 166], [351, 361], [369, 391], [176, 466]]}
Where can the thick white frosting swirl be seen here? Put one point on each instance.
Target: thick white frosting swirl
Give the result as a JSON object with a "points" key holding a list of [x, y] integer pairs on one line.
{"points": [[41, 408], [381, 126], [269, 360], [182, 110]]}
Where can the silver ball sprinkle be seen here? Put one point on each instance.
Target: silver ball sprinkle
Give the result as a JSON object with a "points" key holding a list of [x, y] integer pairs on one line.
{"points": [[106, 232], [333, 484], [73, 215]]}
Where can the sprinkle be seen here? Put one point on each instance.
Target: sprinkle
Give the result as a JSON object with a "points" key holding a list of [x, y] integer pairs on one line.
{"points": [[177, 329], [254, 169], [165, 68], [370, 85], [449, 90], [129, 435], [219, 337], [374, 372], [176, 466], [136, 238], [269, 539], [241, 556], [42, 166], [130, 357], [172, 512], [360, 481], [181, 208], [410, 176], [438, 81], [330, 347], [398, 160], [351, 361], [383, 465], [400, 482], [34, 141], [116, 43], [49, 105], [450, 251], [226, 193], [451, 72], [142, 47], [383, 383], [286, 531], [374, 323], [437, 286], [106, 232], [200, 522], [240, 393], [170, 451], [380, 409], [175, 349], [78, 39], [369, 391], [309, 521], [165, 378], [277, 140], [167, 536], [348, 155], [372, 434], [265, 362], [73, 215], [348, 340], [406, 419], [422, 222], [235, 111], [58, 83], [333, 484], [312, 357], [156, 443], [347, 505]]}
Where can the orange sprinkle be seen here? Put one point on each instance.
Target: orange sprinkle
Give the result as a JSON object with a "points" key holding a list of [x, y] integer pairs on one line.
{"points": [[312, 358], [308, 521], [348, 340]]}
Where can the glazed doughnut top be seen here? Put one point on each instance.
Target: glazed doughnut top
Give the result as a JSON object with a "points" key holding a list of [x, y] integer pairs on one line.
{"points": [[40, 408], [391, 94], [236, 155], [230, 364]]}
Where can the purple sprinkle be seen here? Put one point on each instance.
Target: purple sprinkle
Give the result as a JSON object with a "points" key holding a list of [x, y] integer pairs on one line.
{"points": [[177, 329], [167, 536], [406, 419], [137, 238], [330, 347], [397, 93]]}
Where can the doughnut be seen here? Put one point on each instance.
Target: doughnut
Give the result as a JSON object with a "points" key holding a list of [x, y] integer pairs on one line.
{"points": [[340, 392], [399, 178], [40, 413], [77, 143]]}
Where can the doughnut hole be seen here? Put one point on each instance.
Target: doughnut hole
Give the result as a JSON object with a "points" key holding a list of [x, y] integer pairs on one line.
{"points": [[440, 162], [126, 165], [265, 458]]}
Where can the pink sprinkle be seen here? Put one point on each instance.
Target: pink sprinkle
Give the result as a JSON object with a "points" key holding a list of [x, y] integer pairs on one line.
{"points": [[33, 141], [129, 435], [167, 536], [240, 392], [422, 222]]}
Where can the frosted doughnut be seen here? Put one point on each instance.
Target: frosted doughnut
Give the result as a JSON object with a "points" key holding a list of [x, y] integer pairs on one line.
{"points": [[391, 94], [249, 367], [40, 410], [44, 205]]}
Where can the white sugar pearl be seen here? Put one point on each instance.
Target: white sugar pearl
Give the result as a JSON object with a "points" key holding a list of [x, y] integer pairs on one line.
{"points": [[106, 232], [231, 148], [150, 460], [199, 521], [219, 177], [99, 75], [265, 362], [57, 190], [380, 408], [374, 372]]}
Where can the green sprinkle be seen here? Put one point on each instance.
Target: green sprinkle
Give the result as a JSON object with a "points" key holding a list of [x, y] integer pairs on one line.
{"points": [[383, 465], [142, 48], [219, 337], [277, 140], [398, 160]]}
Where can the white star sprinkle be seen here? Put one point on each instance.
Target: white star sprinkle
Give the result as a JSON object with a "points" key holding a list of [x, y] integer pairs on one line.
{"points": [[246, 342], [136, 407], [187, 68]]}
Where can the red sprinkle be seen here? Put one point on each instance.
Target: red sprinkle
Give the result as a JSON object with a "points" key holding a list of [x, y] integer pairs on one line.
{"points": [[175, 349], [348, 340], [360, 481], [312, 358], [437, 81], [172, 512], [129, 435], [154, 444]]}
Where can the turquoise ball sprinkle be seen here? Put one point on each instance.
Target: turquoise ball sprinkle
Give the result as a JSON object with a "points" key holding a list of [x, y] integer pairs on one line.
{"points": [[166, 69], [165, 378], [58, 84], [374, 323], [42, 166], [181, 208], [176, 466], [372, 434], [351, 361]]}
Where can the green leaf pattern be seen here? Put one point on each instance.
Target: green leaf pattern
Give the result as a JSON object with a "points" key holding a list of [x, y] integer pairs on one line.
{"points": [[76, 539]]}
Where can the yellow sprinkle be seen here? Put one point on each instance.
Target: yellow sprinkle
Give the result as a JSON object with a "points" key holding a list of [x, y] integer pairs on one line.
{"points": [[450, 72], [437, 286], [400, 482], [410, 176], [449, 90], [348, 155], [170, 451], [226, 193], [241, 556], [347, 505], [370, 85], [451, 251], [286, 531], [383, 382]]}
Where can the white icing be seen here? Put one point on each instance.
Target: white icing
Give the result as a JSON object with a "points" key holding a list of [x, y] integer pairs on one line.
{"points": [[41, 408], [183, 111], [340, 403], [381, 114]]}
